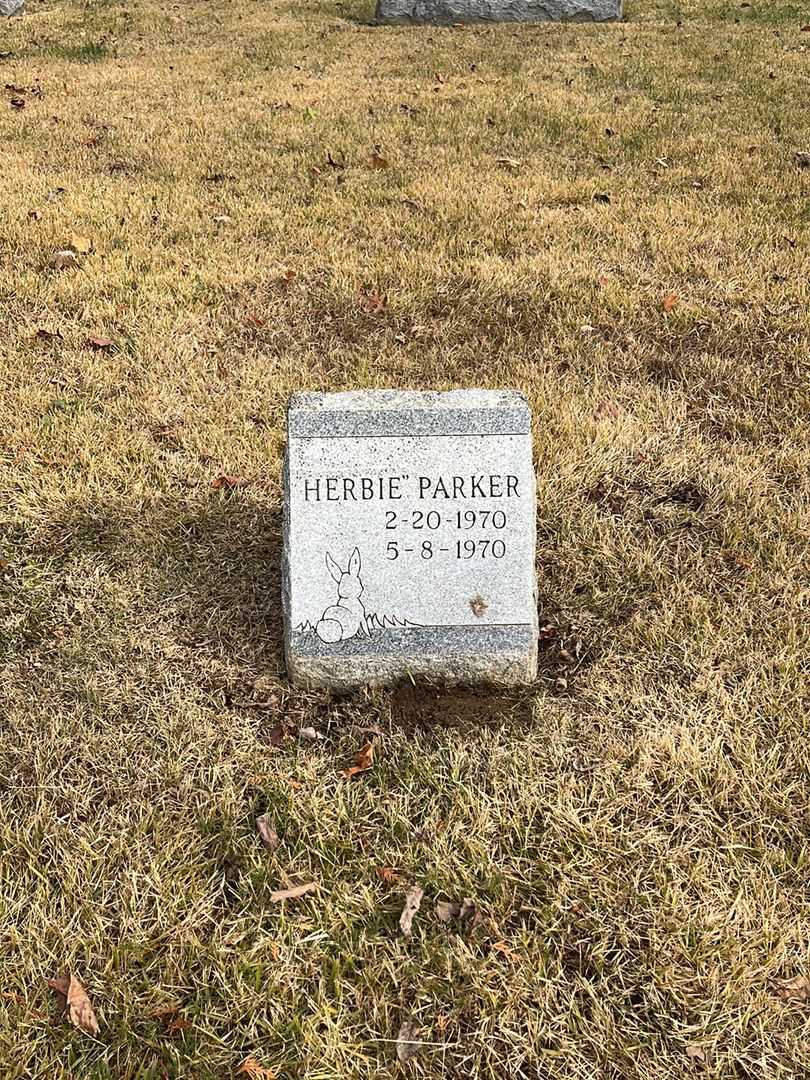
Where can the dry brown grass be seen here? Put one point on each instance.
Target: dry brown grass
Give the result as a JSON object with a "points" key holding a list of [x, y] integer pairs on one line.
{"points": [[634, 828]]}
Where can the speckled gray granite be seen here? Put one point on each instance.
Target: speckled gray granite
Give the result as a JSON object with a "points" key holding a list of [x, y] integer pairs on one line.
{"points": [[409, 538], [463, 11]]}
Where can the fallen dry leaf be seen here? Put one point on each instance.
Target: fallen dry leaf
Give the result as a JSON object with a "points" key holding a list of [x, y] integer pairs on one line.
{"points": [[478, 606], [80, 1011], [377, 161], [387, 874], [276, 735], [407, 1046], [413, 898], [267, 832], [63, 260], [102, 344], [796, 989], [696, 1052], [670, 302], [178, 1024], [229, 482], [373, 300], [251, 1068], [363, 760], [295, 892], [82, 245]]}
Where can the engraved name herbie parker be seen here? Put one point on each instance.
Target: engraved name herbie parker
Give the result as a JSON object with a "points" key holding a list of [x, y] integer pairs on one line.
{"points": [[366, 488]]}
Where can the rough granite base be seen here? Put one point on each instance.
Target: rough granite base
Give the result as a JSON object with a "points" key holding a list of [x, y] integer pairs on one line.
{"points": [[362, 605], [465, 11]]}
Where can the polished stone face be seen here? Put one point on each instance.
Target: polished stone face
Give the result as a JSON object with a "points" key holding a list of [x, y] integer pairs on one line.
{"points": [[457, 11], [409, 538]]}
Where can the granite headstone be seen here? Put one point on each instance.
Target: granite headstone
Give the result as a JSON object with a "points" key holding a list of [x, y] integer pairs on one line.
{"points": [[464, 11], [409, 538]]}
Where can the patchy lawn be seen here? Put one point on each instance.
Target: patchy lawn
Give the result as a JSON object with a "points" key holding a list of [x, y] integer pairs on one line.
{"points": [[261, 197]]}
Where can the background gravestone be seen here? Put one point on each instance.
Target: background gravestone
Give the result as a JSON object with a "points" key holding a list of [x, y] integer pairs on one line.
{"points": [[409, 538], [457, 11]]}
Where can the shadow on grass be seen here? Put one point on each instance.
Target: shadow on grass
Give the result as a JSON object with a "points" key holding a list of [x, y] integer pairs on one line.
{"points": [[204, 575], [199, 581]]}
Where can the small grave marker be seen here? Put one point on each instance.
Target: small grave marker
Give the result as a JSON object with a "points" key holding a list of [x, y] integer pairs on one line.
{"points": [[465, 11], [409, 538]]}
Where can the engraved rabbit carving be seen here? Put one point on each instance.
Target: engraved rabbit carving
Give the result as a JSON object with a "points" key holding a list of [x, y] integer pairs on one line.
{"points": [[346, 618]]}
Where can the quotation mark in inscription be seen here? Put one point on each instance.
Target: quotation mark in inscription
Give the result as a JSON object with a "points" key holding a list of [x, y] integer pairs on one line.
{"points": [[479, 606]]}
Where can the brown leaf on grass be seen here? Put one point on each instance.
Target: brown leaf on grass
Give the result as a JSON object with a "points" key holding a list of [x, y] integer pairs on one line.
{"points": [[254, 320], [80, 1011], [387, 874], [178, 1024], [413, 898], [373, 301], [101, 344], [228, 482], [287, 278], [363, 760], [670, 302], [696, 1052], [295, 892], [253, 1070], [63, 260], [275, 736], [377, 161], [267, 832], [407, 1046], [795, 989]]}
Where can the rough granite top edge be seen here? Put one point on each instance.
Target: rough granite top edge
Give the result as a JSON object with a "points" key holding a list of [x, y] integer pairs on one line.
{"points": [[406, 400]]}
